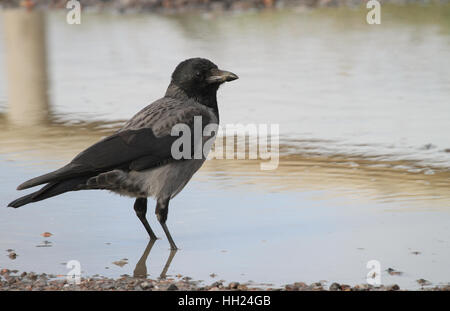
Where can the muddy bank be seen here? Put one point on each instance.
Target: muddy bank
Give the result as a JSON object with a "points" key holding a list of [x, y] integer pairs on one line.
{"points": [[177, 6], [13, 280]]}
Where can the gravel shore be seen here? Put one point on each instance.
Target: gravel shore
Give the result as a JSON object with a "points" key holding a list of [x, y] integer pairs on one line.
{"points": [[12, 280]]}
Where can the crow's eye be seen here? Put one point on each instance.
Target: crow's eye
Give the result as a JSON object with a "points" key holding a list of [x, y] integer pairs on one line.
{"points": [[198, 74]]}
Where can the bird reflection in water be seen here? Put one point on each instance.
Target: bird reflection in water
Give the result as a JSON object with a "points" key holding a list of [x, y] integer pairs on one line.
{"points": [[140, 271]]}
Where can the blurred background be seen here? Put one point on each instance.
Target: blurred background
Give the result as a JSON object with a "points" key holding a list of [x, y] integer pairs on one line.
{"points": [[363, 112]]}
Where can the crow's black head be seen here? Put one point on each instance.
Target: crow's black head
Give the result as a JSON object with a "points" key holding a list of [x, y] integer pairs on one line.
{"points": [[197, 76]]}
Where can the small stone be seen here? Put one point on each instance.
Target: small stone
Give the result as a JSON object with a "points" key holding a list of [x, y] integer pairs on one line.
{"points": [[12, 255], [423, 282], [291, 287], [233, 285], [317, 288], [393, 271], [107, 286], [335, 287], [43, 276], [146, 285], [300, 284], [217, 284], [392, 287], [172, 287], [32, 276], [40, 283], [366, 286], [120, 263]]}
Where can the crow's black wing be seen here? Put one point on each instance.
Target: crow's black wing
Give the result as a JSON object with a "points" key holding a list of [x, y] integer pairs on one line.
{"points": [[140, 145], [119, 150], [125, 147]]}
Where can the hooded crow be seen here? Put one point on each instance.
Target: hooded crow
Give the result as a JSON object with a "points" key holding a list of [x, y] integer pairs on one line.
{"points": [[138, 160]]}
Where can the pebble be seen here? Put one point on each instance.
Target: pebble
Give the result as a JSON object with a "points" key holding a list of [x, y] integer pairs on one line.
{"points": [[146, 285], [393, 271], [107, 286], [291, 287], [120, 263], [423, 282], [392, 287], [233, 285], [12, 255], [335, 287]]}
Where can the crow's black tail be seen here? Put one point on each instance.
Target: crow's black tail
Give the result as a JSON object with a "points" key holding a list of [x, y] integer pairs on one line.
{"points": [[50, 190]]}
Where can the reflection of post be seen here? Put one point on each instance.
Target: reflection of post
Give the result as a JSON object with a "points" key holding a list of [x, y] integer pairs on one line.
{"points": [[26, 66]]}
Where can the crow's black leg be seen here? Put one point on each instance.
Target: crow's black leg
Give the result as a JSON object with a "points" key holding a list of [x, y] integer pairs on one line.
{"points": [[161, 211], [140, 207]]}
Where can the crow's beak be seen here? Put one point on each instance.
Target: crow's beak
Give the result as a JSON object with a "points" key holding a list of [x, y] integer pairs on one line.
{"points": [[220, 76]]}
